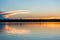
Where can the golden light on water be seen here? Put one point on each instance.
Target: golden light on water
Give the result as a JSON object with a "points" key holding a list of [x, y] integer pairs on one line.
{"points": [[27, 28], [43, 24], [51, 24]]}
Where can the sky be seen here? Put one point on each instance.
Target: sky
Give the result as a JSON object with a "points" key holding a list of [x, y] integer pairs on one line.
{"points": [[37, 7]]}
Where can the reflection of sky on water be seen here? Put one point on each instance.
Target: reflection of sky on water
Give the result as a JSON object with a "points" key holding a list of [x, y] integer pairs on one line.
{"points": [[30, 31]]}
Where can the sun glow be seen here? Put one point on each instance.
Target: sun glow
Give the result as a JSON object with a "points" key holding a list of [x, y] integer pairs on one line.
{"points": [[51, 17], [48, 18]]}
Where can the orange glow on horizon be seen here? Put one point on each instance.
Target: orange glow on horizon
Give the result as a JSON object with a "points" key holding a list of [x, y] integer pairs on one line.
{"points": [[14, 12], [51, 17]]}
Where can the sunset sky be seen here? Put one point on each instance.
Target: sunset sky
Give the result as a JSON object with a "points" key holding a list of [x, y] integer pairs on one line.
{"points": [[37, 7]]}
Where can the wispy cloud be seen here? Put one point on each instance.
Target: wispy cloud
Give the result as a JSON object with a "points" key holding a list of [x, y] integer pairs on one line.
{"points": [[10, 13]]}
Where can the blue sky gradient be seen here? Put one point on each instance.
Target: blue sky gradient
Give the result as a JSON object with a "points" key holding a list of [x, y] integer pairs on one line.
{"points": [[29, 4], [36, 6]]}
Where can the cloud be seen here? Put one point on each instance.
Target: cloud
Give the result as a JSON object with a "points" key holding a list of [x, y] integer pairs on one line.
{"points": [[10, 13]]}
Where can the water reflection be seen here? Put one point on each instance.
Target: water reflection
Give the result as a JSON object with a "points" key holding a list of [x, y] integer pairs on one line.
{"points": [[15, 30], [48, 30], [1, 26], [28, 28]]}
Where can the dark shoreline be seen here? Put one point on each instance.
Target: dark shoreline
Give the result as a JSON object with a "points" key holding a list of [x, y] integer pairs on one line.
{"points": [[30, 20]]}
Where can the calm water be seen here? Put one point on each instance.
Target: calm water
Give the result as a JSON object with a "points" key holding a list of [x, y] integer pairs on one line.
{"points": [[30, 31]]}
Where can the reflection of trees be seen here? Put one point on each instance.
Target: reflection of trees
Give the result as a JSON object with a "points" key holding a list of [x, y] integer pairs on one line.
{"points": [[1, 26]]}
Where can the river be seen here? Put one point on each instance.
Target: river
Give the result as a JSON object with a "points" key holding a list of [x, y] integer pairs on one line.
{"points": [[29, 30]]}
